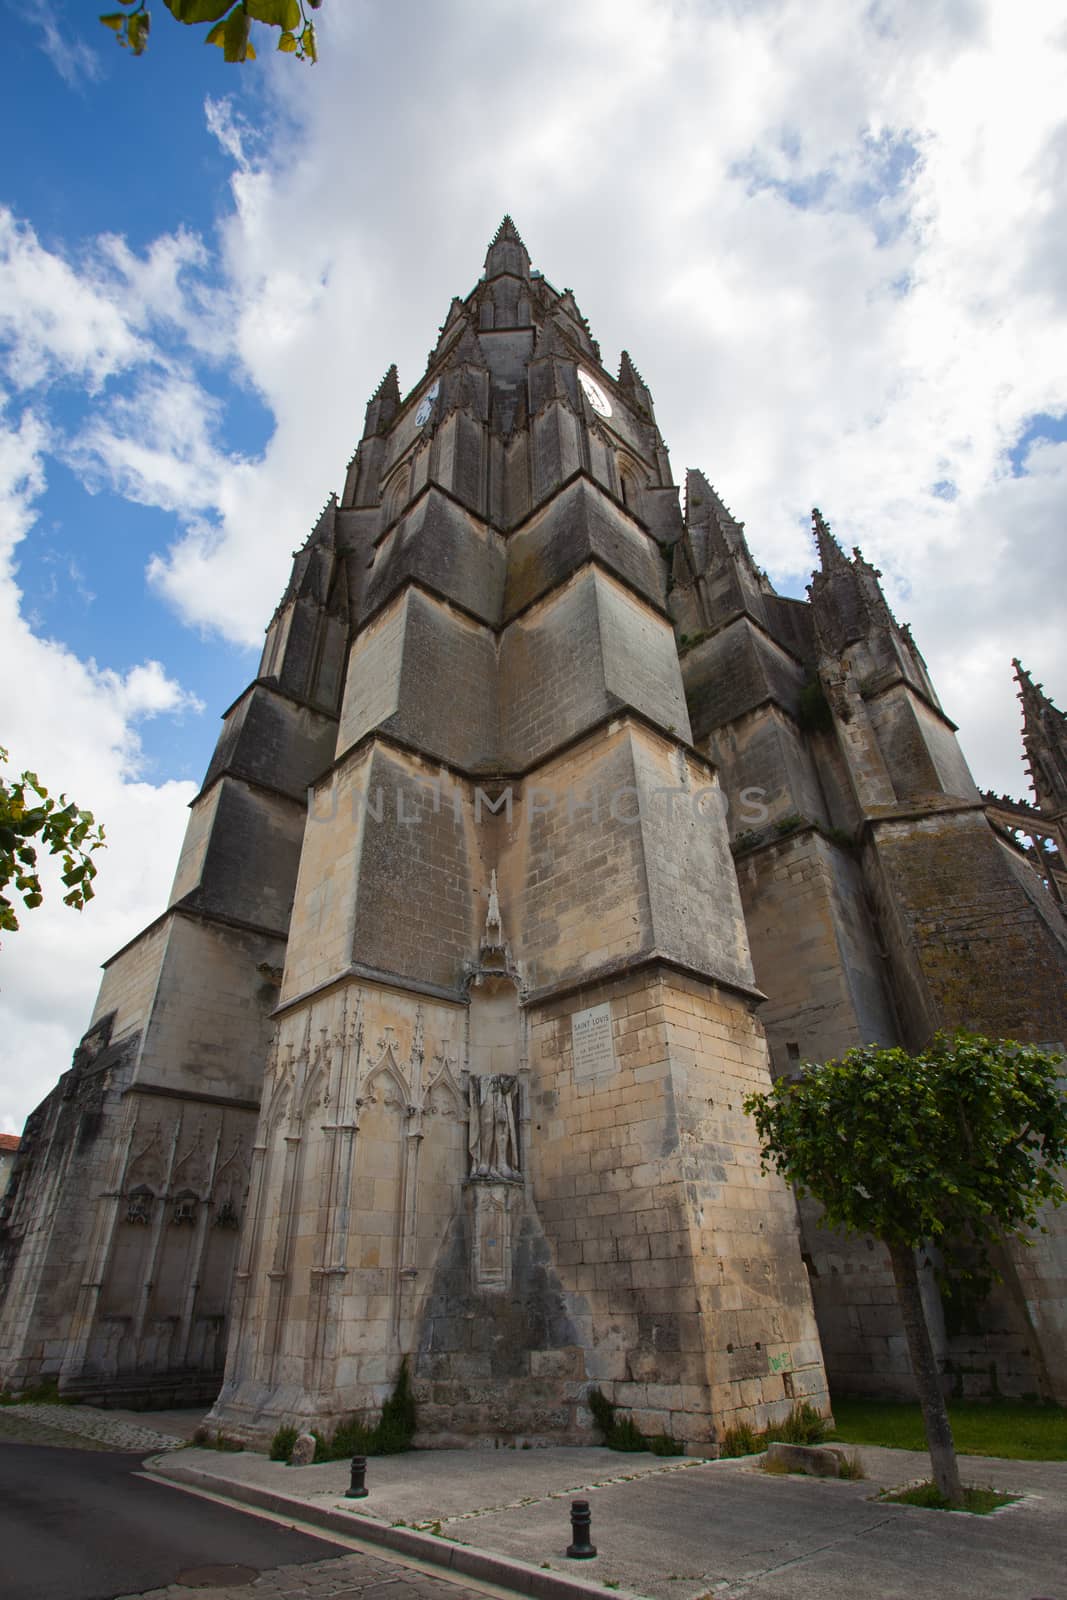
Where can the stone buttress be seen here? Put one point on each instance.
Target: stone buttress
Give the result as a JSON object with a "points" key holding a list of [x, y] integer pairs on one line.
{"points": [[119, 1231], [884, 898]]}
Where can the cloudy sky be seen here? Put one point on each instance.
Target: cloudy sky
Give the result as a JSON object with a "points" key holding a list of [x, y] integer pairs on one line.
{"points": [[832, 238]]}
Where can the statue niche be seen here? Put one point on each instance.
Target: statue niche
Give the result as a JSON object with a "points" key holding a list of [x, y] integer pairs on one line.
{"points": [[494, 1179], [492, 1138]]}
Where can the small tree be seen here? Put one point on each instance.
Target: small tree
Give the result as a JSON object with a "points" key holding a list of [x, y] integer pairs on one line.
{"points": [[28, 813], [958, 1144]]}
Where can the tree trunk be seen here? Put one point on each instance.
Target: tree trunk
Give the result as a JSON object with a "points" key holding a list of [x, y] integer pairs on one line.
{"points": [[927, 1377]]}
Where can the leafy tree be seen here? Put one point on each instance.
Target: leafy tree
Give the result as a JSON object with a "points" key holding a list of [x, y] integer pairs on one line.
{"points": [[231, 24], [28, 813], [958, 1145]]}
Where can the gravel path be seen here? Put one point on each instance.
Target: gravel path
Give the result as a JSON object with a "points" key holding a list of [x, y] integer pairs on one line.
{"points": [[83, 1422]]}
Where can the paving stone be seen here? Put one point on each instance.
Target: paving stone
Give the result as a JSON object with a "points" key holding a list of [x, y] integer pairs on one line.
{"points": [[84, 1421], [354, 1577]]}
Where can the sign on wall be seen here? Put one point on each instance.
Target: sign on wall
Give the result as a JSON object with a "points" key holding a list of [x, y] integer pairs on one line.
{"points": [[594, 1049]]}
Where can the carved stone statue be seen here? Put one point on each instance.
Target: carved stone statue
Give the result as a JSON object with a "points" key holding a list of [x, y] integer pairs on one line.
{"points": [[493, 938], [492, 1139]]}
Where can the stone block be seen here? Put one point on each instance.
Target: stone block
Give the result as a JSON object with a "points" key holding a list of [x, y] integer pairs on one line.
{"points": [[817, 1461], [556, 1363]]}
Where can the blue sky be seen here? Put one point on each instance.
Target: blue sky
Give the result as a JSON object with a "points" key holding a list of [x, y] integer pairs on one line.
{"points": [[831, 239], [121, 146]]}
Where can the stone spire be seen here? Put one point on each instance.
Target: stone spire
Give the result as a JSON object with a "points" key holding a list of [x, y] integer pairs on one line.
{"points": [[633, 385], [312, 562], [1045, 740], [705, 508], [831, 555], [629, 377], [846, 595], [383, 404], [713, 571], [507, 253]]}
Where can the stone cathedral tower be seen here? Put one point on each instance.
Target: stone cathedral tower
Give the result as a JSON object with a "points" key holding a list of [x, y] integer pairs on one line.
{"points": [[440, 1048], [501, 1130]]}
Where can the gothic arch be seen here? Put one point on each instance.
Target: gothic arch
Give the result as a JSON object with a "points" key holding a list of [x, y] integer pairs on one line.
{"points": [[386, 1070], [148, 1164], [398, 493], [443, 1096], [629, 482]]}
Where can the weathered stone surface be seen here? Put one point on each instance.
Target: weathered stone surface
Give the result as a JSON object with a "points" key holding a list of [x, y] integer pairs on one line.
{"points": [[817, 1460], [303, 1451]]}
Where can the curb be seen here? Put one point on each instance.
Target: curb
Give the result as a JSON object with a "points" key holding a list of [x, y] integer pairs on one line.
{"points": [[458, 1559]]}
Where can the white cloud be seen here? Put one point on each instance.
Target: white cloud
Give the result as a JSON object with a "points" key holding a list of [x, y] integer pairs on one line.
{"points": [[75, 725], [53, 319], [72, 58]]}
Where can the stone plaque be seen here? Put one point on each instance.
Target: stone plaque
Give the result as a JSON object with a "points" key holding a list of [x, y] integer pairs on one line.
{"points": [[491, 1253], [594, 1050]]}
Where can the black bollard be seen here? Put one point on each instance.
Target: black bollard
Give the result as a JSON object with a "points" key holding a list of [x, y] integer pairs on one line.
{"points": [[580, 1548], [357, 1489]]}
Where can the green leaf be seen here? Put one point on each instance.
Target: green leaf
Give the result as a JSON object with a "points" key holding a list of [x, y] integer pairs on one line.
{"points": [[115, 20], [137, 30], [276, 13], [192, 11], [287, 42], [236, 28]]}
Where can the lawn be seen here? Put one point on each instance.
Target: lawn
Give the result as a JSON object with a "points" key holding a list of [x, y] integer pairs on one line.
{"points": [[1020, 1430]]}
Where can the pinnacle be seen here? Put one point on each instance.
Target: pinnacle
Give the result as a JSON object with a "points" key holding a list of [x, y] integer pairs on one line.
{"points": [[389, 388], [1030, 693], [830, 552], [698, 492], [506, 230], [1045, 742], [383, 403], [507, 253], [628, 373], [705, 507], [1036, 703]]}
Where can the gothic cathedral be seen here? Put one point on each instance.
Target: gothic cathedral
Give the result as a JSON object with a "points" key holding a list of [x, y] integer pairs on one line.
{"points": [[545, 833]]}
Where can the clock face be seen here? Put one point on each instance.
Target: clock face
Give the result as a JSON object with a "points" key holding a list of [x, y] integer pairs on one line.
{"points": [[594, 393], [422, 415]]}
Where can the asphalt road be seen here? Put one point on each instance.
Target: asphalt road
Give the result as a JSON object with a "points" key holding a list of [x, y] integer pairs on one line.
{"points": [[80, 1525]]}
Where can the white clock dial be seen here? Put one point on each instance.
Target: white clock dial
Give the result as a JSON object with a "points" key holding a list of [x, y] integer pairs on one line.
{"points": [[594, 393], [426, 404]]}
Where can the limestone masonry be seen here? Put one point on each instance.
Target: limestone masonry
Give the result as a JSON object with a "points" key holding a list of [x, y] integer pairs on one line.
{"points": [[545, 833]]}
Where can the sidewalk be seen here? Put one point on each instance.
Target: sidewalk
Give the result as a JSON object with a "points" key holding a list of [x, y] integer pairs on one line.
{"points": [[672, 1529]]}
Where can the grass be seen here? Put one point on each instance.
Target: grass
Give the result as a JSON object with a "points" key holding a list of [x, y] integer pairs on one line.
{"points": [[802, 1426], [1018, 1430], [281, 1446], [391, 1434], [980, 1502], [45, 1393], [622, 1432], [851, 1468]]}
